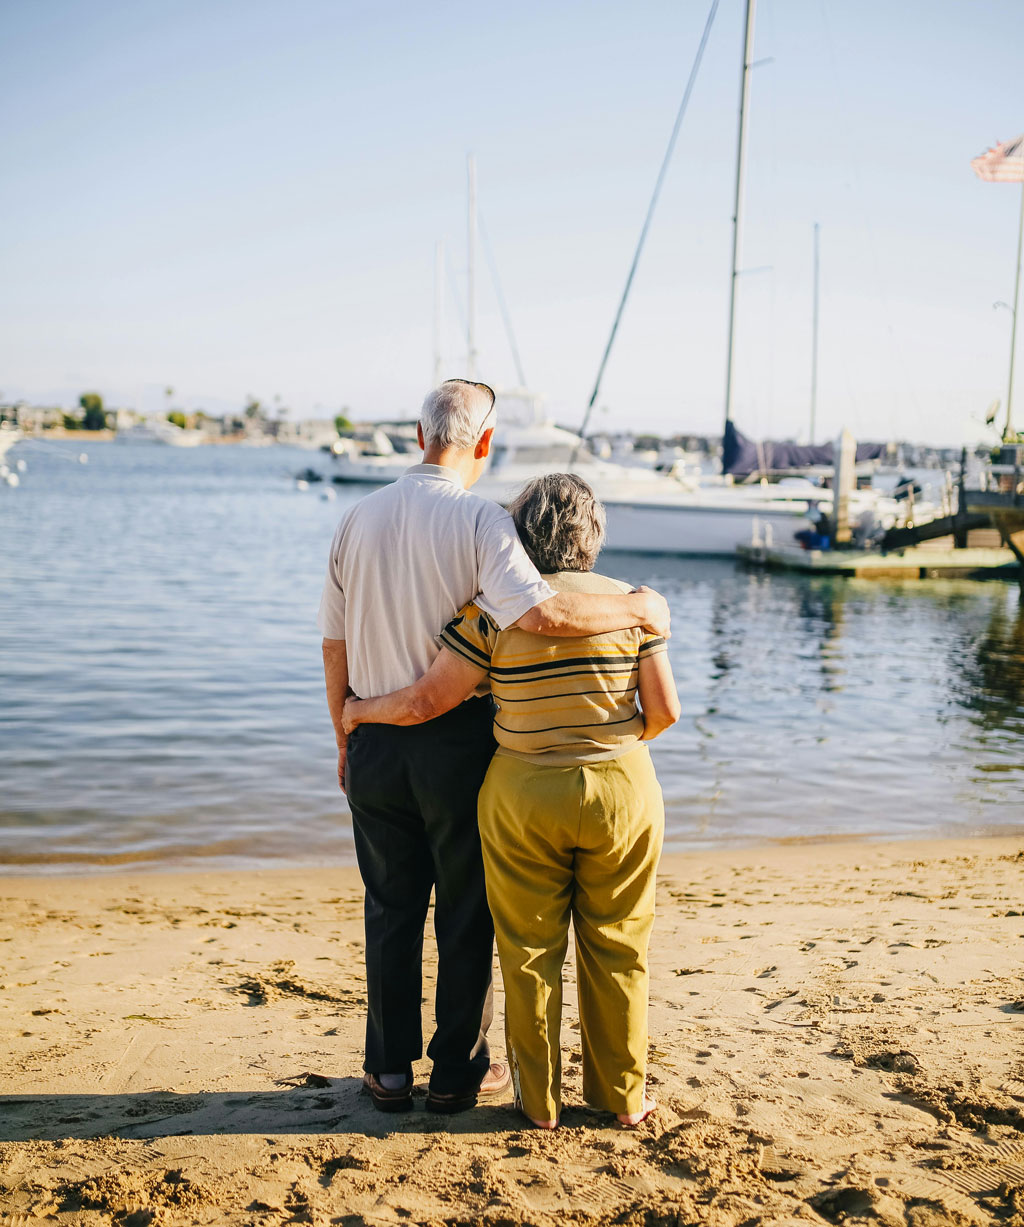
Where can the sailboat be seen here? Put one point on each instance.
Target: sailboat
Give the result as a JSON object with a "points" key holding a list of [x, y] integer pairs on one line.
{"points": [[647, 511], [716, 516], [527, 443]]}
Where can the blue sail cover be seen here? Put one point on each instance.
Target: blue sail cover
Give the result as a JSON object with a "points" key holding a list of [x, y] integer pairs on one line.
{"points": [[742, 456]]}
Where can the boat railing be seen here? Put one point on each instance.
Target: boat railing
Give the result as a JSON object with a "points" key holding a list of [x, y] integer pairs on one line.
{"points": [[1002, 478]]}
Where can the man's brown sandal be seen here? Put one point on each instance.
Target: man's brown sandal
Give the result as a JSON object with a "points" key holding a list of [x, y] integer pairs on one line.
{"points": [[385, 1100], [496, 1079]]}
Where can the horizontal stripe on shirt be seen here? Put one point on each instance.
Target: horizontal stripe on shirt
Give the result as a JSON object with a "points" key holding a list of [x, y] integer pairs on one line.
{"points": [[559, 700], [551, 728]]}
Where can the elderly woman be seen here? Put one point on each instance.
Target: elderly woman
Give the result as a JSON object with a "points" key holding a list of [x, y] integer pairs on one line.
{"points": [[571, 815]]}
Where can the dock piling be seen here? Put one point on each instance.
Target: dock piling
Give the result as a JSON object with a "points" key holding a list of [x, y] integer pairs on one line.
{"points": [[845, 464]]}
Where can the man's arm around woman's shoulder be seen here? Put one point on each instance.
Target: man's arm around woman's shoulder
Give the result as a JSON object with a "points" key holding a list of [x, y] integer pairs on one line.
{"points": [[577, 614]]}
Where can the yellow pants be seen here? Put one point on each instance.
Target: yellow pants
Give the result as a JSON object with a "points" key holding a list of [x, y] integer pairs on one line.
{"points": [[580, 842]]}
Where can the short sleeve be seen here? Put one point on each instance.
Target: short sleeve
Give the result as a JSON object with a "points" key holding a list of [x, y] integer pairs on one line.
{"points": [[471, 634], [651, 645], [331, 616], [510, 584]]}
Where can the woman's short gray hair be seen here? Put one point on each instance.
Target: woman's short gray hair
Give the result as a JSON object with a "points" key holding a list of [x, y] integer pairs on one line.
{"points": [[454, 414], [560, 522]]}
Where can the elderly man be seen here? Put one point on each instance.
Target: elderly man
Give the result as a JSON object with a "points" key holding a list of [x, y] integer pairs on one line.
{"points": [[404, 559]]}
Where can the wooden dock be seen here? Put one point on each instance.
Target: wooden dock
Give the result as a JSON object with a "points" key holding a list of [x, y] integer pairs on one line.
{"points": [[920, 562], [983, 538]]}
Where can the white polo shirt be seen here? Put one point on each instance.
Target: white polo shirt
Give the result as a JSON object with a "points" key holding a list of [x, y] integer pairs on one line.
{"points": [[404, 561]]}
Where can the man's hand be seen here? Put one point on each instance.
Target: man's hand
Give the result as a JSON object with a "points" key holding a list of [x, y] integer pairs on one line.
{"points": [[336, 680], [350, 715], [656, 619]]}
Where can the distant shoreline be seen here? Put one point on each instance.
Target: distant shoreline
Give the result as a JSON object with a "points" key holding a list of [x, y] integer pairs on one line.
{"points": [[109, 435]]}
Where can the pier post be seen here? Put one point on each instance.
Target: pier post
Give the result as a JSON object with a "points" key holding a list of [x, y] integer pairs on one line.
{"points": [[842, 484], [960, 516]]}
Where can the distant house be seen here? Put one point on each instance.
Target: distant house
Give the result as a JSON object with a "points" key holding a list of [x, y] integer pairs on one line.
{"points": [[32, 418]]}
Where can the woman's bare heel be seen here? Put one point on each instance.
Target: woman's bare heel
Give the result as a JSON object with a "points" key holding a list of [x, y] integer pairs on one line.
{"points": [[634, 1118]]}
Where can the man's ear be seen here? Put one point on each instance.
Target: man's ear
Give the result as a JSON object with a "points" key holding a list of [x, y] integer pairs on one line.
{"points": [[483, 445], [419, 436]]}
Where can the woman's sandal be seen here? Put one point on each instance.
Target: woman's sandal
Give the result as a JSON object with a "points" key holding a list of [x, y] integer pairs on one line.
{"points": [[632, 1119]]}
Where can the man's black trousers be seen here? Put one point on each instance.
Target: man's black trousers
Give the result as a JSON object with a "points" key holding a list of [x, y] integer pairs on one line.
{"points": [[413, 792]]}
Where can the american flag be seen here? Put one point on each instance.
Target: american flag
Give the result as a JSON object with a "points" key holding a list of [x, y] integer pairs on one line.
{"points": [[1002, 163]]}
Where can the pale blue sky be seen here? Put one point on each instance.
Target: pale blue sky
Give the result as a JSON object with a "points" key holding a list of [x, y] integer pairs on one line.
{"points": [[237, 197]]}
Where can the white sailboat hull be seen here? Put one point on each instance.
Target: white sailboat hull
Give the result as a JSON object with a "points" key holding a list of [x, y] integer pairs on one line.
{"points": [[648, 512], [693, 529], [653, 514]]}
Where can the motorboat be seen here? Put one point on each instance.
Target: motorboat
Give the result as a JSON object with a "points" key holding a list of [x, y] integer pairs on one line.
{"points": [[9, 435], [160, 432], [369, 458]]}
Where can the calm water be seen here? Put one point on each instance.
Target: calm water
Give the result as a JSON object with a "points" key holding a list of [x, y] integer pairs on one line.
{"points": [[161, 697]]}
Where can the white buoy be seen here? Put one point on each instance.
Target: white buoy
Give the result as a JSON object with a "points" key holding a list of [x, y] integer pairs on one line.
{"points": [[4, 470], [22, 466], [328, 495], [301, 483], [83, 457], [13, 480]]}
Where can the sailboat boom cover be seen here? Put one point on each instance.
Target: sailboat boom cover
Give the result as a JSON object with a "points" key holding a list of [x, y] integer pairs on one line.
{"points": [[742, 456]]}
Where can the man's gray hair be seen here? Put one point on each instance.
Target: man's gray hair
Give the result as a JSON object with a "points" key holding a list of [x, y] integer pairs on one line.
{"points": [[454, 414], [560, 522]]}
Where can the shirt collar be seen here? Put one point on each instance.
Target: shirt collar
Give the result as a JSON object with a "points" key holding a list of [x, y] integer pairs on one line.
{"points": [[439, 471]]}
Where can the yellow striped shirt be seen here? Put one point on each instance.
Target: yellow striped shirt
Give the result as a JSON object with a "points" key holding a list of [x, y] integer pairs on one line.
{"points": [[561, 701]]}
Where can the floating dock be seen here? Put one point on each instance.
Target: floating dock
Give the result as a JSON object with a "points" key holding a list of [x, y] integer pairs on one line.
{"points": [[919, 562], [957, 546]]}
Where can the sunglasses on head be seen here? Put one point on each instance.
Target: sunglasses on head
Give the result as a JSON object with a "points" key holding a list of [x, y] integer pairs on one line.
{"points": [[472, 383]]}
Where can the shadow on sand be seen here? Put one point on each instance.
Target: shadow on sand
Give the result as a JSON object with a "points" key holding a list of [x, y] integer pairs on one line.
{"points": [[339, 1107]]}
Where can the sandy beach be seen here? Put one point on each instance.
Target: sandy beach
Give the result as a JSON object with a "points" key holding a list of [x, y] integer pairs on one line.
{"points": [[837, 1035]]}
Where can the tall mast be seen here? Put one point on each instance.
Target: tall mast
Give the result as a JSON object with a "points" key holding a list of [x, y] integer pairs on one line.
{"points": [[1008, 432], [471, 273], [741, 160], [691, 81], [814, 338], [438, 311]]}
